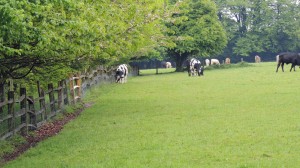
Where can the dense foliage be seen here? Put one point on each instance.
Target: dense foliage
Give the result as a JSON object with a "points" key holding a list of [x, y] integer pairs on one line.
{"points": [[38, 37], [259, 26], [49, 38], [195, 29]]}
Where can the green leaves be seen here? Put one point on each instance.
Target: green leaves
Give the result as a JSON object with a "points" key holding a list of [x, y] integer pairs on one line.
{"points": [[260, 26], [195, 29], [47, 35]]}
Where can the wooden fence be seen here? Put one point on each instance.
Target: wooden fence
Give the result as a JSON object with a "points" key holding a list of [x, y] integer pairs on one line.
{"points": [[20, 112]]}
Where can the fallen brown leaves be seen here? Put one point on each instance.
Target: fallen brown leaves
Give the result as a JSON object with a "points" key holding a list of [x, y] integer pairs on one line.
{"points": [[47, 130]]}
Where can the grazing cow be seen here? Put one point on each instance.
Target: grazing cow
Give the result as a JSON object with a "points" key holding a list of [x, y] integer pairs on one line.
{"points": [[227, 61], [288, 57], [257, 59], [207, 62], [214, 62], [168, 65], [121, 73], [194, 67]]}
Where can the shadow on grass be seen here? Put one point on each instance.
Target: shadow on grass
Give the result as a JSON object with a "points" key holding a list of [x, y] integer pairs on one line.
{"points": [[154, 73]]}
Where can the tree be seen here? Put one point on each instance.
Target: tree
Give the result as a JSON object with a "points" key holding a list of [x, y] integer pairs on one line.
{"points": [[32, 37], [40, 37], [195, 30], [259, 26]]}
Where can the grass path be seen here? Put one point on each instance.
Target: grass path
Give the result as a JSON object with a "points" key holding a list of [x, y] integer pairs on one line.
{"points": [[239, 117]]}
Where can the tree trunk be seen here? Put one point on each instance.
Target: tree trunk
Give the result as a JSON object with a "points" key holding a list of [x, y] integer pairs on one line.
{"points": [[180, 59], [156, 66]]}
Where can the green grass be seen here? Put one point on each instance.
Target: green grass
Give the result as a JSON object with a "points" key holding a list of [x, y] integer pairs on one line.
{"points": [[236, 117]]}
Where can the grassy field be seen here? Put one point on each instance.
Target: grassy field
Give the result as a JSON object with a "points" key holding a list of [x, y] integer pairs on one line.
{"points": [[238, 117]]}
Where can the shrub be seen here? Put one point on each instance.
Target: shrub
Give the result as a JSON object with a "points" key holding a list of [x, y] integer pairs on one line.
{"points": [[6, 147], [17, 140]]}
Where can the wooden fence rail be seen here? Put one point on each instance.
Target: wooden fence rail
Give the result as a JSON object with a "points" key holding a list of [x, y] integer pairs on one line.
{"points": [[20, 112]]}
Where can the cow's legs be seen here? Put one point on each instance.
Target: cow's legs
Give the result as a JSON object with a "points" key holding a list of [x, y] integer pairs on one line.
{"points": [[292, 66], [282, 64], [295, 67], [278, 65]]}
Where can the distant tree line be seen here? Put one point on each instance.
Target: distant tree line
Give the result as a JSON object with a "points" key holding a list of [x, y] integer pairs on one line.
{"points": [[259, 26]]}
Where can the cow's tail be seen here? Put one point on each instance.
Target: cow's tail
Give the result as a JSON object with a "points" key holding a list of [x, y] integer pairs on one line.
{"points": [[277, 59]]}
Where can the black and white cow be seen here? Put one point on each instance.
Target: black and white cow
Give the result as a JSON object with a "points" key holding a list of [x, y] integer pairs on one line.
{"points": [[121, 73], [168, 65], [214, 62], [194, 67], [286, 58]]}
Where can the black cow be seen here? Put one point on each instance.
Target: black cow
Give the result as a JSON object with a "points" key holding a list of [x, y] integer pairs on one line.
{"points": [[194, 67], [288, 57]]}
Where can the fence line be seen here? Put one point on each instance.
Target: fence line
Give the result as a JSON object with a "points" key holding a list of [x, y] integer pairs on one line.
{"points": [[20, 112]]}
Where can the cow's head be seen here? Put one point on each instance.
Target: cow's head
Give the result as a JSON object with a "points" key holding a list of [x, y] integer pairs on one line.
{"points": [[200, 70], [197, 68], [119, 75]]}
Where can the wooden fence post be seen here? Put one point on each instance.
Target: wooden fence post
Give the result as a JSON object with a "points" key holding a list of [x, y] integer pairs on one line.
{"points": [[86, 80], [51, 98], [75, 89], [2, 97], [42, 102], [98, 74], [60, 94], [102, 74], [23, 109], [11, 112], [101, 70], [43, 105], [78, 84], [72, 91], [31, 112], [66, 96]]}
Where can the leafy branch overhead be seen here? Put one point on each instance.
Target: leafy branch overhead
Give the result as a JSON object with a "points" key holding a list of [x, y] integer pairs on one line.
{"points": [[36, 35]]}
